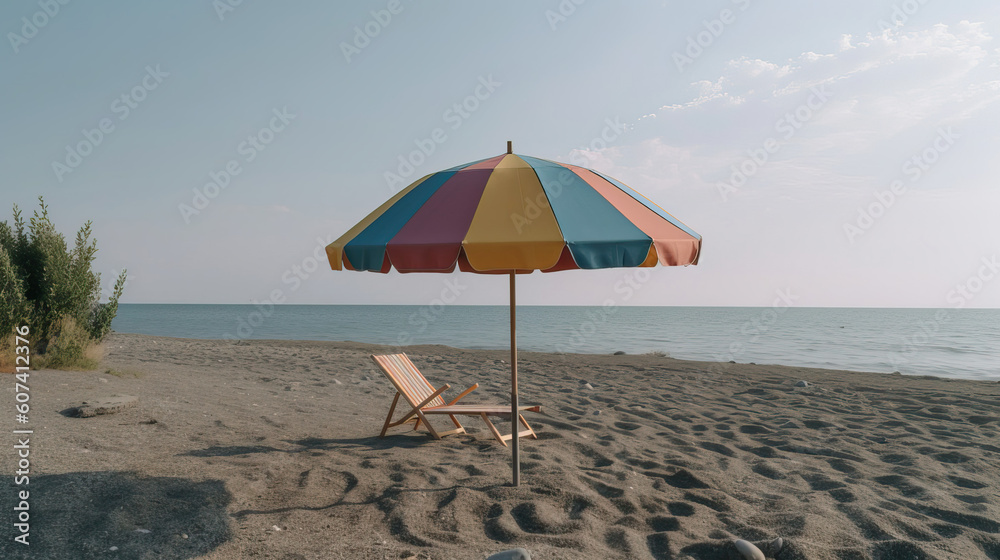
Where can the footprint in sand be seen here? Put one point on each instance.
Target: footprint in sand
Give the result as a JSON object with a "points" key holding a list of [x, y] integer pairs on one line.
{"points": [[604, 489], [903, 485], [718, 448], [680, 509], [821, 482], [952, 457], [966, 482], [842, 495], [599, 460], [659, 546], [709, 502], [768, 470], [754, 429], [969, 499], [541, 517], [898, 459]]}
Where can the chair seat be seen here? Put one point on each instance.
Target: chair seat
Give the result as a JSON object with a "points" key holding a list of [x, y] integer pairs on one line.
{"points": [[477, 409]]}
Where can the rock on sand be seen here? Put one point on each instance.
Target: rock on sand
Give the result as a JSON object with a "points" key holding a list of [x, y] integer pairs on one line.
{"points": [[515, 554], [749, 551], [106, 405]]}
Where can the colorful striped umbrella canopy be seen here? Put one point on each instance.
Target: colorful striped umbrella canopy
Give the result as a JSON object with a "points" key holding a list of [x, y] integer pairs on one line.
{"points": [[515, 214]]}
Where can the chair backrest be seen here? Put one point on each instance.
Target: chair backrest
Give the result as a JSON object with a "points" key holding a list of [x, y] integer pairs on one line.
{"points": [[407, 379]]}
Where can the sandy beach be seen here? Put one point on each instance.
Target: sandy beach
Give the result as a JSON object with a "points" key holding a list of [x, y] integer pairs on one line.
{"points": [[270, 449]]}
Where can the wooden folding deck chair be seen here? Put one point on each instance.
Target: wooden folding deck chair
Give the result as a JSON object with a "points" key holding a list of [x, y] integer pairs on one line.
{"points": [[426, 400]]}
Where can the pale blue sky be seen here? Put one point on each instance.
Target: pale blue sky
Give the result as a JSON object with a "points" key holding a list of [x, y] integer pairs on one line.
{"points": [[843, 95]]}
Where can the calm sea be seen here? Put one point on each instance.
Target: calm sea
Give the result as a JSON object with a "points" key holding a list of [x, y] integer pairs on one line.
{"points": [[949, 343]]}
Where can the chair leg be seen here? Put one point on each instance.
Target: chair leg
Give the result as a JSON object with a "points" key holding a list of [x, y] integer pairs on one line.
{"points": [[496, 433], [430, 428], [525, 422], [388, 418], [460, 429]]}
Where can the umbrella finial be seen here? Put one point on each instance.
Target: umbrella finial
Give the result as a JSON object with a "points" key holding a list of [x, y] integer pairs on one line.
{"points": [[510, 150]]}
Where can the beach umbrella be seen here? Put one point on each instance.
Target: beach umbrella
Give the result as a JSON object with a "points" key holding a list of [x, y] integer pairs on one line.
{"points": [[514, 214]]}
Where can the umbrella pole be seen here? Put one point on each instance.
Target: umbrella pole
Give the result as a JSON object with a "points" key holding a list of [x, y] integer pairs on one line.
{"points": [[515, 459]]}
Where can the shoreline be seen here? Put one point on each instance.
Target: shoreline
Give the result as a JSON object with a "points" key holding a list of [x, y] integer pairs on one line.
{"points": [[271, 448], [710, 365], [887, 340]]}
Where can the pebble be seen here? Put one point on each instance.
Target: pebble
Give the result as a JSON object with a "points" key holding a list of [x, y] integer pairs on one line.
{"points": [[802, 384], [619, 353], [778, 543], [142, 531], [337, 382], [103, 380], [515, 554], [588, 386], [184, 535], [597, 413], [748, 550], [113, 549]]}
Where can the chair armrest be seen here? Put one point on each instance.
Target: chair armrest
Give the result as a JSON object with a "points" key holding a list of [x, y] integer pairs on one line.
{"points": [[465, 392], [420, 406], [434, 395]]}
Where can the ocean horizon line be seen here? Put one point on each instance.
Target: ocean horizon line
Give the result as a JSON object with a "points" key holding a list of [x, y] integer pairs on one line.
{"points": [[521, 305]]}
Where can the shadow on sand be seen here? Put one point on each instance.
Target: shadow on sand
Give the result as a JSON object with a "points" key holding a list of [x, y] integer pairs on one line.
{"points": [[82, 515], [314, 445]]}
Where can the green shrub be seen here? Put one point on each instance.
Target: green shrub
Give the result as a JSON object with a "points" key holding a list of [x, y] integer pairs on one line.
{"points": [[7, 354], [49, 286], [70, 347], [13, 305]]}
